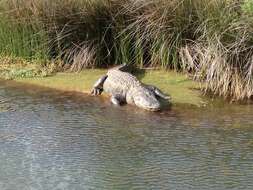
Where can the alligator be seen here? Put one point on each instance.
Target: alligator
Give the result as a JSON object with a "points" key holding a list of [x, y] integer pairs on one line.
{"points": [[125, 88]]}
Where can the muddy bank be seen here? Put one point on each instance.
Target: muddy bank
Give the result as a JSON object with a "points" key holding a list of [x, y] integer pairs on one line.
{"points": [[182, 89]]}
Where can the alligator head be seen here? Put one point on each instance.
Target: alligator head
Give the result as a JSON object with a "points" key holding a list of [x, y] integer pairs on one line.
{"points": [[147, 100]]}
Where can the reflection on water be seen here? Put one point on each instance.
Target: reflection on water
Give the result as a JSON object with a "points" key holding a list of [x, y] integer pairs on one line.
{"points": [[51, 140]]}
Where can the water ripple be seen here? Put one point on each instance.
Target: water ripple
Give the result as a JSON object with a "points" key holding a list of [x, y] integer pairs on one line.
{"points": [[52, 140]]}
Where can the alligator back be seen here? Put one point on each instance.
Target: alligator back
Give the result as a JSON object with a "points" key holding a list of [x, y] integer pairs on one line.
{"points": [[119, 82]]}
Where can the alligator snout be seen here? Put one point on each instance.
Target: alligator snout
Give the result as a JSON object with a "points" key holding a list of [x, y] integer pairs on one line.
{"points": [[147, 102]]}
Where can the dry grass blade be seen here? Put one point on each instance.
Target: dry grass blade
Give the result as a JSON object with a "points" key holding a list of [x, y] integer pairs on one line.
{"points": [[83, 57]]}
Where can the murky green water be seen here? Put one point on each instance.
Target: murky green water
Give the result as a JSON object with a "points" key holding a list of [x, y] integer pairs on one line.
{"points": [[52, 141]]}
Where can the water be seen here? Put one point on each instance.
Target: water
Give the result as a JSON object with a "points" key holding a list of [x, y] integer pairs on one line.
{"points": [[62, 141]]}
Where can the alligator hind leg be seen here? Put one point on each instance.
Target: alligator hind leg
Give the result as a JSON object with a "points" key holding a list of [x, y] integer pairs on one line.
{"points": [[98, 86], [116, 100], [158, 92]]}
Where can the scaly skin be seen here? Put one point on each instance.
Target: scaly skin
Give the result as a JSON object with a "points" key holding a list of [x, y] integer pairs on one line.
{"points": [[119, 82], [126, 88]]}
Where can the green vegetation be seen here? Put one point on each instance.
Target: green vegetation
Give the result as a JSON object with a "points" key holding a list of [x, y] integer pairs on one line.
{"points": [[177, 85], [11, 68], [209, 39], [21, 40]]}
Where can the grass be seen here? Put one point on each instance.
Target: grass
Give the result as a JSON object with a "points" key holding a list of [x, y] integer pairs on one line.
{"points": [[177, 85], [182, 89], [210, 39], [79, 82]]}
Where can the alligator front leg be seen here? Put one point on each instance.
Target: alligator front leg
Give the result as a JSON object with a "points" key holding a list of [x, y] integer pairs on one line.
{"points": [[158, 92], [98, 86]]}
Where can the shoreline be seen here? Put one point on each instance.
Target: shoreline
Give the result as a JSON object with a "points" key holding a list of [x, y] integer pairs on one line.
{"points": [[182, 89]]}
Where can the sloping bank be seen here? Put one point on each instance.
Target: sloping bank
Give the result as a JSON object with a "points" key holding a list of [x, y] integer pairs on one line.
{"points": [[182, 89]]}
